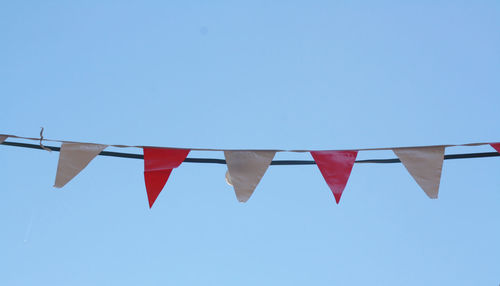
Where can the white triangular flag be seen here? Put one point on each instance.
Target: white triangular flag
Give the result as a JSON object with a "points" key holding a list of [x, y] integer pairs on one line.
{"points": [[425, 165], [73, 158], [245, 169]]}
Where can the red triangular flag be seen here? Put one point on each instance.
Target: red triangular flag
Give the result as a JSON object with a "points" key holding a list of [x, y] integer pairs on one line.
{"points": [[496, 146], [158, 164], [335, 166]]}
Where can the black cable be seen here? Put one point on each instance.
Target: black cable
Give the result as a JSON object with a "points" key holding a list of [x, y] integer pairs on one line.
{"points": [[275, 162]]}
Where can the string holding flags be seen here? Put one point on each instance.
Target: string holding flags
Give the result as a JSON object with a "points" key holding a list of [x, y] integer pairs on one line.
{"points": [[245, 168]]}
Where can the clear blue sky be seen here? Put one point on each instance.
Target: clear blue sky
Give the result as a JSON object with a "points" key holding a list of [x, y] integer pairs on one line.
{"points": [[252, 74]]}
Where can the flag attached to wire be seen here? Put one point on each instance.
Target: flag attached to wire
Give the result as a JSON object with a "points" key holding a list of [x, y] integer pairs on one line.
{"points": [[158, 165]]}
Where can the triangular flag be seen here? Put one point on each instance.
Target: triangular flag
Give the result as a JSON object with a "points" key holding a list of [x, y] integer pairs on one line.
{"points": [[158, 164], [425, 165], [496, 146], [73, 158], [245, 169], [336, 167], [2, 138]]}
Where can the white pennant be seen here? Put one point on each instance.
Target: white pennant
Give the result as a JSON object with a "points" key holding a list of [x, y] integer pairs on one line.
{"points": [[245, 169], [425, 165], [73, 158]]}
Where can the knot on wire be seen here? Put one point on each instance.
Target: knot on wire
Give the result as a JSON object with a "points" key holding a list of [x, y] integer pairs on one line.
{"points": [[41, 138]]}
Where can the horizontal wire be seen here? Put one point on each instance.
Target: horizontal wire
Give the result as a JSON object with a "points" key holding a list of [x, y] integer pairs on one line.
{"points": [[4, 136], [274, 162]]}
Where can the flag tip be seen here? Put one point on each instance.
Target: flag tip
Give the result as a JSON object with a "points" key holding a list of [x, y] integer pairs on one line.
{"points": [[337, 197]]}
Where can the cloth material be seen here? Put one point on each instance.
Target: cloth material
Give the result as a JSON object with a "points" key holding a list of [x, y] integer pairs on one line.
{"points": [[158, 165], [425, 165], [496, 146], [73, 158], [245, 170], [336, 167]]}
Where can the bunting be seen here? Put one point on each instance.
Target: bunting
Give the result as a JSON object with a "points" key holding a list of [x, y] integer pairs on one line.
{"points": [[425, 165], [73, 158], [245, 170], [158, 165]]}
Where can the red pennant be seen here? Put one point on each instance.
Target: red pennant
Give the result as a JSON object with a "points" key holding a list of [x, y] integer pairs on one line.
{"points": [[335, 166], [158, 164], [496, 146]]}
